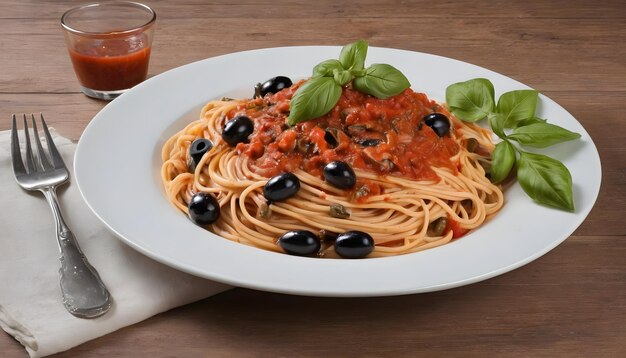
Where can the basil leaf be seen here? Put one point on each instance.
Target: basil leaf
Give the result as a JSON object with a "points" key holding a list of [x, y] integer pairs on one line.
{"points": [[352, 56], [529, 121], [471, 100], [546, 180], [381, 81], [517, 106], [342, 77], [313, 99], [503, 161], [326, 68], [358, 73], [541, 135], [496, 122]]}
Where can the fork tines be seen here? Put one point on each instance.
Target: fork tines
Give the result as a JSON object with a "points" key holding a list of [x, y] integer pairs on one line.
{"points": [[34, 162]]}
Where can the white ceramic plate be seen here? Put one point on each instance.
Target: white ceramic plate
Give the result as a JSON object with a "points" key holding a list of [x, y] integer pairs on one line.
{"points": [[118, 162]]}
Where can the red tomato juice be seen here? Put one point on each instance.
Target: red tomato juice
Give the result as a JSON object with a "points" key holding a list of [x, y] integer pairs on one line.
{"points": [[111, 64]]}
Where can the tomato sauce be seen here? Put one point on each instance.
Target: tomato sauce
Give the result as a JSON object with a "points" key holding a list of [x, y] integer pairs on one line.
{"points": [[386, 137], [110, 64], [455, 227]]}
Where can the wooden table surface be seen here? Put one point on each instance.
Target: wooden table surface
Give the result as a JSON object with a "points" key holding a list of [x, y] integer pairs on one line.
{"points": [[570, 302]]}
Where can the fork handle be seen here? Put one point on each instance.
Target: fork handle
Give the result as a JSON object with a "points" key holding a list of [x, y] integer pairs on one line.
{"points": [[84, 293]]}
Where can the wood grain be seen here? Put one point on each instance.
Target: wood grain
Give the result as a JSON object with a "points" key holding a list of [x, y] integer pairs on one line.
{"points": [[569, 303], [499, 44]]}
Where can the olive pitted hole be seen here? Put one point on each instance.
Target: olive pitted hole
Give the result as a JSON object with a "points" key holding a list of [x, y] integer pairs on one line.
{"points": [[354, 244], [273, 85], [281, 187], [438, 122], [340, 175], [300, 242], [197, 149], [237, 130], [204, 209]]}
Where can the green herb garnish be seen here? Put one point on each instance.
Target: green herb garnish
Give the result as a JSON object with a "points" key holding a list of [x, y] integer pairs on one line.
{"points": [[544, 179], [512, 118], [320, 94]]}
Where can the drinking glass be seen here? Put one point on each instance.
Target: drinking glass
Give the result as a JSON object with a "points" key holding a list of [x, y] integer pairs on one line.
{"points": [[109, 45]]}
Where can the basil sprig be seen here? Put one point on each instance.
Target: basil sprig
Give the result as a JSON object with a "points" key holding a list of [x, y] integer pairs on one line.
{"points": [[546, 180], [322, 91]]}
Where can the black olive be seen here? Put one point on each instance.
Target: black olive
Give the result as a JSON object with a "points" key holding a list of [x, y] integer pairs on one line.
{"points": [[354, 244], [300, 242], [439, 123], [237, 130], [196, 151], [369, 142], [274, 85], [330, 138], [340, 175], [203, 209], [281, 187]]}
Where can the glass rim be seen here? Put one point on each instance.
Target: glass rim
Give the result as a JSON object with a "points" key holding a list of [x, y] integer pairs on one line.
{"points": [[134, 29]]}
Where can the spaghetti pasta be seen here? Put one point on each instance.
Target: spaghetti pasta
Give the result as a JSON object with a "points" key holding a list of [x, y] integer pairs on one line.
{"points": [[415, 190]]}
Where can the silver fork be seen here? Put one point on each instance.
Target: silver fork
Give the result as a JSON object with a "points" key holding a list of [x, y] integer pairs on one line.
{"points": [[84, 293]]}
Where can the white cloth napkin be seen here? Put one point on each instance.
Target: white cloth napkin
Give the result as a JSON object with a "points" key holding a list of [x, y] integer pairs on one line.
{"points": [[30, 299]]}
